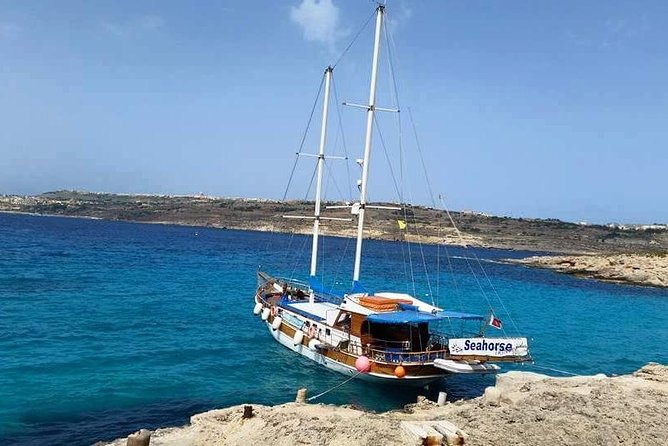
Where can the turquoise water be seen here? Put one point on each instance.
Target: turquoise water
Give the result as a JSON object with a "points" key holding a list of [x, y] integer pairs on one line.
{"points": [[106, 327]]}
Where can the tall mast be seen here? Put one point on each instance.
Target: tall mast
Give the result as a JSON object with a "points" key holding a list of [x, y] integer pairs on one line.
{"points": [[371, 109], [321, 161]]}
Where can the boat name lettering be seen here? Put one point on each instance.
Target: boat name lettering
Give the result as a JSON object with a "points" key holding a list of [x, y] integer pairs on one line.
{"points": [[488, 347], [484, 345]]}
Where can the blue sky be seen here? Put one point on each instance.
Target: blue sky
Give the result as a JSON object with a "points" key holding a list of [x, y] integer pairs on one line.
{"points": [[523, 108]]}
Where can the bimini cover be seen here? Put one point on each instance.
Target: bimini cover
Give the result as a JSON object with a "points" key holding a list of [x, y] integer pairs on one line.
{"points": [[415, 317], [318, 287]]}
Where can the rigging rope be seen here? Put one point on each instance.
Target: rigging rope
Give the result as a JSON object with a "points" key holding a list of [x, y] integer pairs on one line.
{"points": [[387, 157], [475, 256], [343, 138], [489, 282], [354, 39], [424, 166], [301, 145], [391, 55]]}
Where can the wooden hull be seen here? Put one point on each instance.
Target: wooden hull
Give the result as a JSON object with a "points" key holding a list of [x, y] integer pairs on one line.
{"points": [[344, 363]]}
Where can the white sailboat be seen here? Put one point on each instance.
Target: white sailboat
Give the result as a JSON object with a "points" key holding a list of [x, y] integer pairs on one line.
{"points": [[384, 337]]}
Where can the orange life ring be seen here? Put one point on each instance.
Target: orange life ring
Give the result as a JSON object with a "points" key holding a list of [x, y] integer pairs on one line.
{"points": [[274, 310], [311, 331]]}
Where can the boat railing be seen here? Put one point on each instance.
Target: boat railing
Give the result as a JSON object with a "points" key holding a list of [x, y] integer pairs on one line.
{"points": [[390, 356], [292, 282], [396, 356], [320, 296], [390, 345]]}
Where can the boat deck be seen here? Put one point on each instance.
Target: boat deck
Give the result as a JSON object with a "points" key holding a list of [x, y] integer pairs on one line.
{"points": [[317, 310]]}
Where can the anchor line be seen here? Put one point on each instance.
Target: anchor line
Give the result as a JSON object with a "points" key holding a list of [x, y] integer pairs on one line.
{"points": [[335, 387]]}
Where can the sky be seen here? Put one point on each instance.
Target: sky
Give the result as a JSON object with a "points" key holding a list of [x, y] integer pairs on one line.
{"points": [[551, 109]]}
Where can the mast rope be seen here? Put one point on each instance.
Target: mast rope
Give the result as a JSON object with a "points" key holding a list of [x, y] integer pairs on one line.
{"points": [[451, 269], [424, 166], [391, 56], [343, 138], [310, 184], [330, 176], [475, 256], [298, 262], [390, 44], [301, 144], [345, 51], [395, 91], [387, 157], [461, 237], [408, 266], [433, 202]]}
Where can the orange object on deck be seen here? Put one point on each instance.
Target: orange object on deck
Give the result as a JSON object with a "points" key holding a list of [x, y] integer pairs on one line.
{"points": [[378, 303]]}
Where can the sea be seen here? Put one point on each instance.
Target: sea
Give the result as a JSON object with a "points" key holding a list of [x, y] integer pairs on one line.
{"points": [[107, 327]]}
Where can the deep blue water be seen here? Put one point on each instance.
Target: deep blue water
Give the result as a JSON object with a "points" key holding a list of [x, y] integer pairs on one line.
{"points": [[107, 327]]}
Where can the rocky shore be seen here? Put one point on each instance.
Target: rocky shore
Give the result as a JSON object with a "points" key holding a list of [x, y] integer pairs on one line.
{"points": [[521, 409], [637, 269]]}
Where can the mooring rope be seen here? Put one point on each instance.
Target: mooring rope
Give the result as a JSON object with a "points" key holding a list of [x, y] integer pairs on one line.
{"points": [[334, 388], [554, 370]]}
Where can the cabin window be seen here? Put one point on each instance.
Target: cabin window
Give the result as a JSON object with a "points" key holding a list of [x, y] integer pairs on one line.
{"points": [[398, 336], [327, 332]]}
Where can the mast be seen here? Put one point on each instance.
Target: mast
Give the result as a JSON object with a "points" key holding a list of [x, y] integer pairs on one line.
{"points": [[321, 162], [371, 108]]}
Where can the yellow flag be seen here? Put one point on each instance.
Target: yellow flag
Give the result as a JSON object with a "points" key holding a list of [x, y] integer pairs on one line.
{"points": [[402, 224]]}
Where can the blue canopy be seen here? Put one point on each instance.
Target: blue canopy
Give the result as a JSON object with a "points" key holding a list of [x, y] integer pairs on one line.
{"points": [[318, 287], [414, 317]]}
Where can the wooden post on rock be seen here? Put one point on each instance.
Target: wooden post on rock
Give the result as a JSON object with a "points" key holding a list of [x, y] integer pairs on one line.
{"points": [[301, 396]]}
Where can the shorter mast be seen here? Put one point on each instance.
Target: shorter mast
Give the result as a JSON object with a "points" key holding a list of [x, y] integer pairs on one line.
{"points": [[371, 108], [321, 162]]}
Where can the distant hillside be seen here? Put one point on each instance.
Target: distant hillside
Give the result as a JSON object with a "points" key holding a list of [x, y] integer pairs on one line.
{"points": [[264, 215]]}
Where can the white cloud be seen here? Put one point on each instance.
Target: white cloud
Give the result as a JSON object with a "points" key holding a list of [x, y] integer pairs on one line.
{"points": [[319, 20], [135, 26]]}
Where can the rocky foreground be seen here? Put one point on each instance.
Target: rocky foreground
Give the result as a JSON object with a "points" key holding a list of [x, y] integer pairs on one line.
{"points": [[638, 269], [522, 409]]}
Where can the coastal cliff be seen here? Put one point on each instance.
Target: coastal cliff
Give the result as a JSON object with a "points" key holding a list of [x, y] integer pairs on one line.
{"points": [[523, 408], [638, 269]]}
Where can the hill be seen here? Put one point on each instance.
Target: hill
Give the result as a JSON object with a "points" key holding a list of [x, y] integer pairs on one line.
{"points": [[427, 224]]}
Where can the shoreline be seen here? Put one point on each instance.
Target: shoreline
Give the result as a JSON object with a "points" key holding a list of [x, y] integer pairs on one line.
{"points": [[521, 408], [426, 240], [426, 224], [631, 269], [640, 269]]}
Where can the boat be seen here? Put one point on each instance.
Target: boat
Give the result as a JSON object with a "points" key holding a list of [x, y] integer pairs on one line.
{"points": [[384, 336]]}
